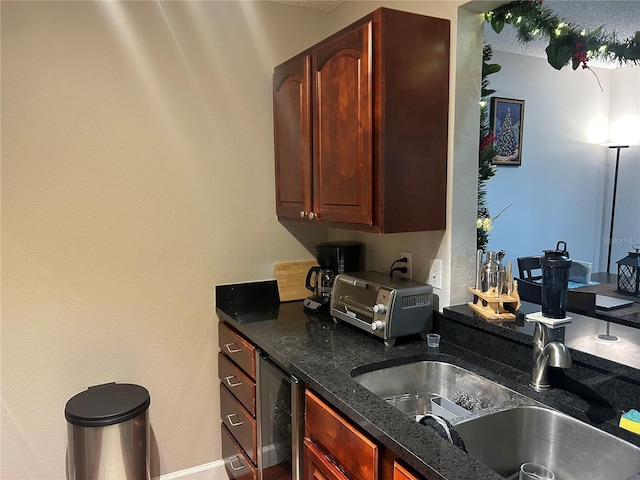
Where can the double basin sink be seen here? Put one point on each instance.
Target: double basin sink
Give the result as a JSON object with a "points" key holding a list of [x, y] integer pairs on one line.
{"points": [[501, 428]]}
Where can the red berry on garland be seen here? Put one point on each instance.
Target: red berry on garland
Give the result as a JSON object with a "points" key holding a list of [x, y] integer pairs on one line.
{"points": [[580, 55]]}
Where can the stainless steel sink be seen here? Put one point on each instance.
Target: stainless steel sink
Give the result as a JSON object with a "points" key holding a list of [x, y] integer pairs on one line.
{"points": [[410, 387], [570, 448], [505, 429]]}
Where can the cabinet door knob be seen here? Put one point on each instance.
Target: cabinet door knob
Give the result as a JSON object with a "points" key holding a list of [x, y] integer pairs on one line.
{"points": [[233, 467], [230, 350], [302, 214], [231, 422], [312, 215], [228, 380]]}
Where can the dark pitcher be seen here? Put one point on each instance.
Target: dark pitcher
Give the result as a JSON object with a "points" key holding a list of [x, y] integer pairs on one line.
{"points": [[555, 281]]}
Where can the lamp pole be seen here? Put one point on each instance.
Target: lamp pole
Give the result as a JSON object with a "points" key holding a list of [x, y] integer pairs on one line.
{"points": [[613, 202]]}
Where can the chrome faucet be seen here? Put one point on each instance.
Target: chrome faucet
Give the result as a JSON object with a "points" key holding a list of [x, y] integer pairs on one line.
{"points": [[546, 354]]}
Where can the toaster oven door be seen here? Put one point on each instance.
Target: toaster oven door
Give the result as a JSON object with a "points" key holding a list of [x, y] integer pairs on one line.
{"points": [[362, 304]]}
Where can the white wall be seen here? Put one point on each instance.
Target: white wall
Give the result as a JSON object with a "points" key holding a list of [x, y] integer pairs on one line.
{"points": [[624, 127], [562, 190], [137, 173]]}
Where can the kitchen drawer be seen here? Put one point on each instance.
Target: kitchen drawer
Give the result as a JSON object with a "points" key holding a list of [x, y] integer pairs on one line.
{"points": [[318, 466], [237, 382], [332, 432], [239, 422], [234, 346], [237, 464], [400, 472]]}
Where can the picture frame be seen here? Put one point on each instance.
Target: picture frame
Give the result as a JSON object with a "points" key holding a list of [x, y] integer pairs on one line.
{"points": [[507, 122]]}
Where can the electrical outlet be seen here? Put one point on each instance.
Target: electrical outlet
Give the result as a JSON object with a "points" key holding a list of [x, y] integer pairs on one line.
{"points": [[435, 273], [409, 273]]}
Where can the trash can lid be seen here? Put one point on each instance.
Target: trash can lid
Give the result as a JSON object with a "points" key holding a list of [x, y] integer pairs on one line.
{"points": [[107, 404]]}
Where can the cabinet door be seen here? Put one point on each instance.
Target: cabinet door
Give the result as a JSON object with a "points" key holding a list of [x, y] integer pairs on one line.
{"points": [[342, 128], [292, 131], [317, 466]]}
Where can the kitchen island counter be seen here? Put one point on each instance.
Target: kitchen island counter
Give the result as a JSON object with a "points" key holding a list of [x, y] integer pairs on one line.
{"points": [[322, 354]]}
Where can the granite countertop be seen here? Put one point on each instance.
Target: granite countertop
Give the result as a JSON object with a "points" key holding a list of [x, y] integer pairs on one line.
{"points": [[322, 354]]}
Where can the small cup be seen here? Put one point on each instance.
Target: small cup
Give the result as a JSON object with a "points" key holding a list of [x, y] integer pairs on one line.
{"points": [[534, 471], [433, 340]]}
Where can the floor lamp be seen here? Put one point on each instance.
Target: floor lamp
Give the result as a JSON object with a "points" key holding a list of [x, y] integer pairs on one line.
{"points": [[607, 337], [613, 202]]}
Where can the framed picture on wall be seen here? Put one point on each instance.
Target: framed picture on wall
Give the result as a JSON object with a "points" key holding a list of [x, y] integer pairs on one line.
{"points": [[507, 119]]}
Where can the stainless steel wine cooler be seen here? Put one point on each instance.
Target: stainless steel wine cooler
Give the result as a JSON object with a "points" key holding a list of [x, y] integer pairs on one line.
{"points": [[279, 409]]}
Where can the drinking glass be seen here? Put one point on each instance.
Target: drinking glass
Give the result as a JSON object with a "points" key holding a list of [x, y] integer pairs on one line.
{"points": [[433, 340], [533, 471]]}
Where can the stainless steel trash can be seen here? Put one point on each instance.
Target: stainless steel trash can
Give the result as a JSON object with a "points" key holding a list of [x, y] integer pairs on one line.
{"points": [[108, 433]]}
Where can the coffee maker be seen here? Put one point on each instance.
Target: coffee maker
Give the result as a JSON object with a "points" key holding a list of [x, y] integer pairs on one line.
{"points": [[333, 258]]}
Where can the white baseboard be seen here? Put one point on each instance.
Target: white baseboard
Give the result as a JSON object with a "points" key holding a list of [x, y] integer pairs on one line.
{"points": [[208, 471]]}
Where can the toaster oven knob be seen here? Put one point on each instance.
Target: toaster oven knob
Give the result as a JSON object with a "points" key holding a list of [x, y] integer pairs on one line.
{"points": [[377, 325], [379, 308]]}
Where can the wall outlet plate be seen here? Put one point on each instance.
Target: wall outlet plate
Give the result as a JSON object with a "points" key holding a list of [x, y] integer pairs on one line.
{"points": [[409, 265], [435, 273]]}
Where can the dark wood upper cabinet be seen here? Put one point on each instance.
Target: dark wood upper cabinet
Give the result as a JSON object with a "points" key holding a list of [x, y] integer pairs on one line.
{"points": [[342, 119], [361, 126], [292, 125]]}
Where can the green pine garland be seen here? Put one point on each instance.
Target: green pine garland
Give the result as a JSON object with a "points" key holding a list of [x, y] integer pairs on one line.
{"points": [[486, 170], [568, 43]]}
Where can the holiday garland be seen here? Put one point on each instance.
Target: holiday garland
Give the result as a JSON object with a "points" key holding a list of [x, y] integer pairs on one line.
{"points": [[486, 170], [568, 43]]}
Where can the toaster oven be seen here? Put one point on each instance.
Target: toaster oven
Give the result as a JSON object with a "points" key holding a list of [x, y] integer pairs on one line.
{"points": [[384, 306]]}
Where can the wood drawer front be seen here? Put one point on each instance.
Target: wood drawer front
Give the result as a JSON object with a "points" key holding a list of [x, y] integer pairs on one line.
{"points": [[237, 382], [237, 464], [234, 346], [400, 472], [331, 431], [241, 425], [317, 466]]}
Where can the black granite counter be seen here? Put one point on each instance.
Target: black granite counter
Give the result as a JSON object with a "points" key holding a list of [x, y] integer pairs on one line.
{"points": [[322, 354]]}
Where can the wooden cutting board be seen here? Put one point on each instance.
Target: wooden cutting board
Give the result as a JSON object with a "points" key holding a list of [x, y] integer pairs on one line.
{"points": [[291, 277]]}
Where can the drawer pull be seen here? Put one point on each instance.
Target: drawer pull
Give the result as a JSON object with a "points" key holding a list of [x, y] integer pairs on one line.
{"points": [[228, 380], [230, 350], [233, 467], [231, 421]]}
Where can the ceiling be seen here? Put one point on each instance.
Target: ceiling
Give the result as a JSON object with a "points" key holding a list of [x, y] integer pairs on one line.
{"points": [[619, 16], [324, 6]]}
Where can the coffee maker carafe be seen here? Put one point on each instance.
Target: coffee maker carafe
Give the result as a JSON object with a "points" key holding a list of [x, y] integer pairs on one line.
{"points": [[320, 281], [333, 258]]}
